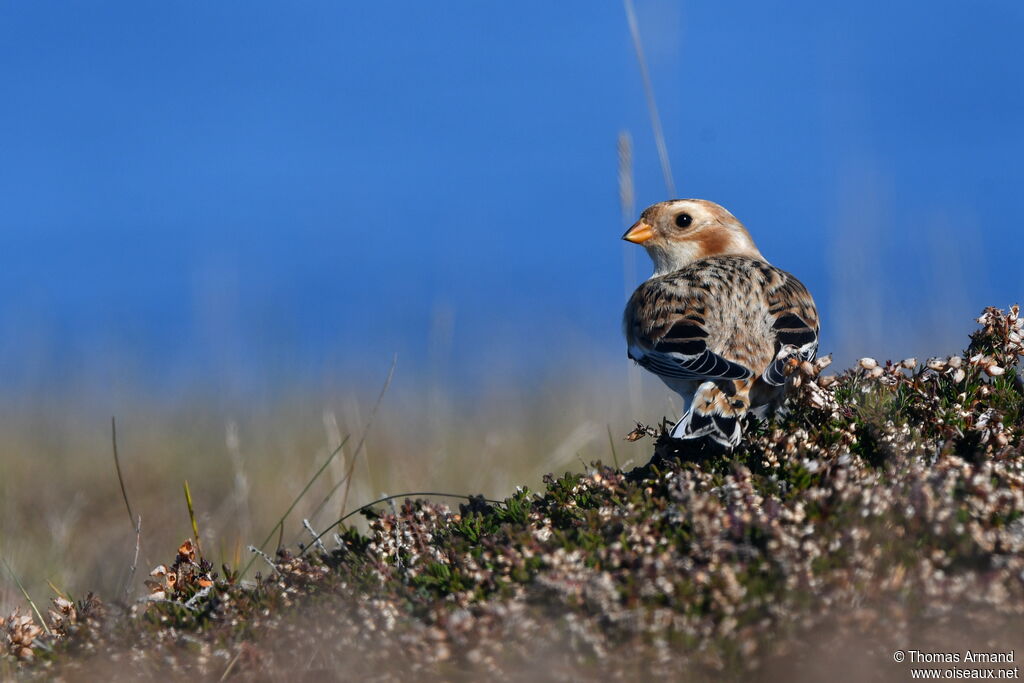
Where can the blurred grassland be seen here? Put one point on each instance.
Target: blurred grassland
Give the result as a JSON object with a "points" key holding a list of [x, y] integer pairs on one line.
{"points": [[63, 520]]}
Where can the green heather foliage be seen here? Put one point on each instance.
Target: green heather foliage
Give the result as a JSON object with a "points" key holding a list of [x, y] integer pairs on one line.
{"points": [[883, 511]]}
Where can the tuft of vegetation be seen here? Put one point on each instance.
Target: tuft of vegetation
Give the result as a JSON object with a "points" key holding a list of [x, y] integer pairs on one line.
{"points": [[884, 510]]}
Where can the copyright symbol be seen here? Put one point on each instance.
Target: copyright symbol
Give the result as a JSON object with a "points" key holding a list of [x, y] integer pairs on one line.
{"points": [[898, 655]]}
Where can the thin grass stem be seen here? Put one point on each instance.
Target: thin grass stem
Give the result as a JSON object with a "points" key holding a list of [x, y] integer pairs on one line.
{"points": [[366, 430], [28, 598], [120, 477], [192, 518], [345, 479], [652, 105], [611, 442], [280, 522]]}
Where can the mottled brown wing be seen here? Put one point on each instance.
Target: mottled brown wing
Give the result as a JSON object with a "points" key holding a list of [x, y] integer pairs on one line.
{"points": [[666, 333], [795, 326]]}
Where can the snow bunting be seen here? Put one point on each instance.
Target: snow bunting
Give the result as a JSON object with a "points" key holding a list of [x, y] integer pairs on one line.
{"points": [[716, 322]]}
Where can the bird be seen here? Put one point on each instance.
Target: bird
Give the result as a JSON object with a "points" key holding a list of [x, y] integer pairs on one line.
{"points": [[716, 322]]}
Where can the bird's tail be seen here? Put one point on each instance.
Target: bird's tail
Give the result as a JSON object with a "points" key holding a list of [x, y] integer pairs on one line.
{"points": [[715, 415]]}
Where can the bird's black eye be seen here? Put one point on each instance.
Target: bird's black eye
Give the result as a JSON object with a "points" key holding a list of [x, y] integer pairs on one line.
{"points": [[684, 220]]}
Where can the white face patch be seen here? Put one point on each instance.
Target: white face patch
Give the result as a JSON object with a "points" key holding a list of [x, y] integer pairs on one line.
{"points": [[673, 256]]}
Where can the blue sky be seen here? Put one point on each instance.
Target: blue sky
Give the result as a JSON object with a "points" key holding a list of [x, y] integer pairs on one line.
{"points": [[291, 187]]}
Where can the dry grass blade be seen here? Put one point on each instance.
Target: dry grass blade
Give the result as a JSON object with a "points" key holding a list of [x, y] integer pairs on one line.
{"points": [[27, 597], [611, 443], [135, 560], [56, 590], [346, 479], [366, 430], [627, 195], [266, 558], [192, 518], [231, 664], [627, 202], [280, 522], [120, 477], [652, 105]]}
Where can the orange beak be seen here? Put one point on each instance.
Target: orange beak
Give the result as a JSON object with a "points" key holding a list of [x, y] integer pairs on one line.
{"points": [[639, 233]]}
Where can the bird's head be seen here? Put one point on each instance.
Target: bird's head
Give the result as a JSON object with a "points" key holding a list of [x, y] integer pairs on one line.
{"points": [[678, 232]]}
